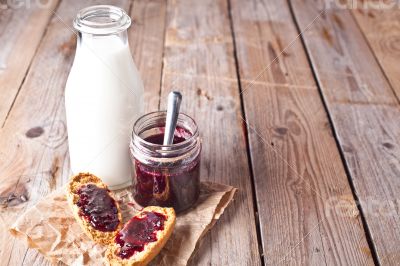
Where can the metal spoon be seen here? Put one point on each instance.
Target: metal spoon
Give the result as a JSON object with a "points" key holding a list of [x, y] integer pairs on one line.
{"points": [[174, 103]]}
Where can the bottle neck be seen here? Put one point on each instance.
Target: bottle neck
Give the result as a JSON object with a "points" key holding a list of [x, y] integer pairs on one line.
{"points": [[102, 21], [103, 42], [102, 28]]}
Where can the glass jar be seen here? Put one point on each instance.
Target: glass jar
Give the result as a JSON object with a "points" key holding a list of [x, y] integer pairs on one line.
{"points": [[103, 96], [165, 175]]}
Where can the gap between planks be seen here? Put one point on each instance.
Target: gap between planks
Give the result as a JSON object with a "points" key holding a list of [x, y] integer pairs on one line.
{"points": [[366, 229], [247, 139], [335, 133], [376, 57]]}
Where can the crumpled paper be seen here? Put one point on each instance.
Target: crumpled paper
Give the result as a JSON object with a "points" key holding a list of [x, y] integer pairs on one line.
{"points": [[50, 227]]}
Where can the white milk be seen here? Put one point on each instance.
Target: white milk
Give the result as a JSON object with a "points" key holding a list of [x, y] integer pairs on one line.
{"points": [[103, 98]]}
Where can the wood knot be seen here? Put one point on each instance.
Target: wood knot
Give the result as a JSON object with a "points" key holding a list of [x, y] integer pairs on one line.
{"points": [[68, 47], [388, 145], [34, 132], [201, 92], [226, 104], [338, 21], [327, 36], [366, 251], [281, 130], [13, 195]]}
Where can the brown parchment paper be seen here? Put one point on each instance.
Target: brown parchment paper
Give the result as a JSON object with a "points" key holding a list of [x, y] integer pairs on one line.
{"points": [[50, 227]]}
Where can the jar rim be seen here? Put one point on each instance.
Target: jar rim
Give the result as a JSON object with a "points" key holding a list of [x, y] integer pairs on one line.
{"points": [[183, 144], [102, 20]]}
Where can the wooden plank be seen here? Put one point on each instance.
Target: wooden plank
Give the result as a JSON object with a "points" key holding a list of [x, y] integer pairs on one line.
{"points": [[34, 258], [33, 143], [365, 114], [199, 61], [147, 45], [22, 26], [381, 28], [298, 172]]}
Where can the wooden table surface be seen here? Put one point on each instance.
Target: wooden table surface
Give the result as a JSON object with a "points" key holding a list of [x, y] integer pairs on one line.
{"points": [[297, 103]]}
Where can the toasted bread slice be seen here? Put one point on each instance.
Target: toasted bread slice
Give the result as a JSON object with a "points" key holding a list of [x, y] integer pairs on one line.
{"points": [[151, 249], [75, 183]]}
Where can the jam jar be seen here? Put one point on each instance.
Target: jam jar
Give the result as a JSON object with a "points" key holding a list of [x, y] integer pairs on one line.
{"points": [[165, 175]]}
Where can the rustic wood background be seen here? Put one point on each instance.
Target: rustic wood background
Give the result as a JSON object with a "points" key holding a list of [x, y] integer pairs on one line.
{"points": [[297, 103]]}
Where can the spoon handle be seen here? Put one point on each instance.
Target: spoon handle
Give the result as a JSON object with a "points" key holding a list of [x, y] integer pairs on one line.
{"points": [[174, 103]]}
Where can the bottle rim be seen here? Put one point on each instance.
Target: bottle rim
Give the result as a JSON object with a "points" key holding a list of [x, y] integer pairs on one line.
{"points": [[102, 20]]}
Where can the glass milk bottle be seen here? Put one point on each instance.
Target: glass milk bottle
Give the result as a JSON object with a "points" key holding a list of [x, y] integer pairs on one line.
{"points": [[103, 96]]}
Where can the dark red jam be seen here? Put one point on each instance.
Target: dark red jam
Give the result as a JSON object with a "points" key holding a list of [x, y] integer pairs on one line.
{"points": [[159, 139], [98, 208], [176, 187], [138, 232]]}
